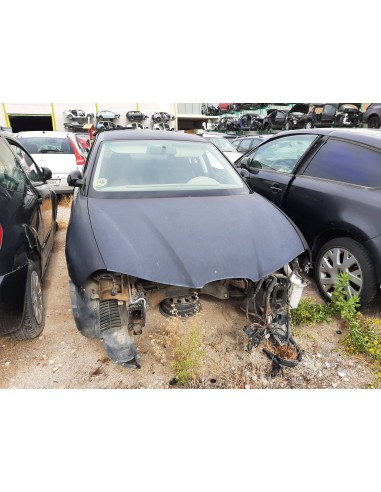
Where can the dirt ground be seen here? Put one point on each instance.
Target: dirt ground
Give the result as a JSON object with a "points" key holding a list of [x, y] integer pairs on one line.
{"points": [[62, 358]]}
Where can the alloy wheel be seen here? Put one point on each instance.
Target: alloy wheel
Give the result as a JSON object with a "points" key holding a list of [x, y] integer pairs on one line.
{"points": [[336, 261], [36, 296]]}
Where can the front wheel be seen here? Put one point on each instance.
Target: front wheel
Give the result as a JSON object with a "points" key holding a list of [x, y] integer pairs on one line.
{"points": [[345, 255], [33, 320], [374, 122]]}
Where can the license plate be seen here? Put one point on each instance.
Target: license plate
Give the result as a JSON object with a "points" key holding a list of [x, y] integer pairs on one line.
{"points": [[54, 182]]}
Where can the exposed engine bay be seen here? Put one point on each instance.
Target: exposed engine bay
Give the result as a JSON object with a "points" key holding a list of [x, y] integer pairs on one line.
{"points": [[113, 307]]}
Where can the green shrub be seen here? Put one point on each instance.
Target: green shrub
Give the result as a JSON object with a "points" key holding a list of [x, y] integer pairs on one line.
{"points": [[362, 336], [188, 356]]}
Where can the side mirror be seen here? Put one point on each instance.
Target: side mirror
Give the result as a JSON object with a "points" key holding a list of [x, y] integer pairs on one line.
{"points": [[46, 173], [87, 150], [244, 164], [244, 173], [75, 179]]}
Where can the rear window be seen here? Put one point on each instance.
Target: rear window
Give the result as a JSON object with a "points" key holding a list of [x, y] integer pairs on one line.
{"points": [[47, 145], [347, 163]]}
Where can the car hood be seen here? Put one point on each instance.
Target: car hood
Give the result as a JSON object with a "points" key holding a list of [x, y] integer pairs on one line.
{"points": [[300, 108], [191, 241]]}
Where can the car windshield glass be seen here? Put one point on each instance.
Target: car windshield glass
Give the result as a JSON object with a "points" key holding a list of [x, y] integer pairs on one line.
{"points": [[222, 143], [47, 145], [163, 166]]}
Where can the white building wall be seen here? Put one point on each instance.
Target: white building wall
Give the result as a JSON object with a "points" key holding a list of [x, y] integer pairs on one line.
{"points": [[119, 108], [28, 108]]}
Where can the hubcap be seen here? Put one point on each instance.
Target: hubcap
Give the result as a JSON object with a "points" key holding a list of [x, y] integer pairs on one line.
{"points": [[336, 261], [36, 294]]}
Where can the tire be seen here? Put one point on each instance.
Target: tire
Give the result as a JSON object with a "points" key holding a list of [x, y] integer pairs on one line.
{"points": [[374, 122], [308, 124], [288, 125], [33, 321], [329, 263]]}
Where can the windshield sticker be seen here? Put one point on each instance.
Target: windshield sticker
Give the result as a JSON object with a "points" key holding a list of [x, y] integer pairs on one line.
{"points": [[100, 182]]}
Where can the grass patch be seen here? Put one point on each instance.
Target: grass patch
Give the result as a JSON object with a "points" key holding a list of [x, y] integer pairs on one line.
{"points": [[363, 333], [65, 200], [188, 357]]}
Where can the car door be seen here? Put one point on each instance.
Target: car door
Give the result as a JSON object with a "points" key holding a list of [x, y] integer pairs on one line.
{"points": [[279, 120], [328, 115], [46, 197], [270, 167], [20, 214], [328, 193]]}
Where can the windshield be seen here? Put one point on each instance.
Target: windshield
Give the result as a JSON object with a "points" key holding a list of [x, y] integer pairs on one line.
{"points": [[221, 143], [163, 166], [47, 145]]}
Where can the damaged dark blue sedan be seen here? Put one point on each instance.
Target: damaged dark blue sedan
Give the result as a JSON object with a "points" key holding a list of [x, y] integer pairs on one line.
{"points": [[160, 219]]}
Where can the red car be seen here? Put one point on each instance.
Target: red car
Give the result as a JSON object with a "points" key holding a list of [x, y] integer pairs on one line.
{"points": [[85, 141], [224, 107]]}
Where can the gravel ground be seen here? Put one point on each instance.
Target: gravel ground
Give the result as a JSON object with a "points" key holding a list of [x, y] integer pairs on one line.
{"points": [[62, 358]]}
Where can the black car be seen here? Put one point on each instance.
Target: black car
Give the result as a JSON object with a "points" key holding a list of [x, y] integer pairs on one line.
{"points": [[372, 116], [244, 144], [328, 181], [28, 209], [228, 123], [166, 219], [275, 119], [246, 106], [137, 116], [330, 114], [296, 116], [250, 121], [74, 126]]}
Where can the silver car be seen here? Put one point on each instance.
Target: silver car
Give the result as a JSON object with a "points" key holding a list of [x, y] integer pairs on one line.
{"points": [[106, 114], [61, 152]]}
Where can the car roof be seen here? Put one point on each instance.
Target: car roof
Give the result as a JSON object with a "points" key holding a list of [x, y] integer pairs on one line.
{"points": [[244, 137], [127, 134], [220, 135], [360, 135], [44, 134]]}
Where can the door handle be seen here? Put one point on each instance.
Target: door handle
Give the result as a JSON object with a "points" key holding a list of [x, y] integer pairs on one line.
{"points": [[275, 188]]}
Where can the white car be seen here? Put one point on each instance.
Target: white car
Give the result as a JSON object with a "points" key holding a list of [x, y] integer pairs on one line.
{"points": [[223, 144], [61, 152], [77, 114]]}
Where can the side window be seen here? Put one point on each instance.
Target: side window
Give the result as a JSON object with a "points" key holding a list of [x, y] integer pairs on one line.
{"points": [[27, 163], [348, 163], [283, 154], [329, 110], [245, 145], [11, 175]]}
